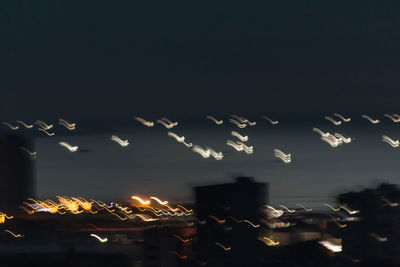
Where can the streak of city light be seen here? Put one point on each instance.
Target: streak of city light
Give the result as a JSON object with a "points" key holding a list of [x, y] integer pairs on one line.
{"points": [[123, 143], [215, 154], [378, 238], [349, 211], [68, 146], [166, 125], [182, 207], [391, 204], [10, 126], [159, 201], [370, 119], [240, 119], [180, 139], [43, 130], [43, 125], [286, 158], [247, 149], [323, 134], [238, 124], [218, 122], [144, 122], [241, 137], [14, 235], [268, 241], [31, 155], [306, 209], [345, 140], [182, 257], [392, 118], [331, 246], [270, 120], [252, 224], [4, 216], [236, 220], [119, 217], [396, 115], [184, 240], [342, 118], [275, 212], [332, 140], [237, 147], [143, 202], [222, 246], [205, 153], [286, 208], [332, 208], [216, 219], [332, 120], [102, 240], [69, 126], [169, 121], [145, 217], [27, 126], [390, 141], [336, 222]]}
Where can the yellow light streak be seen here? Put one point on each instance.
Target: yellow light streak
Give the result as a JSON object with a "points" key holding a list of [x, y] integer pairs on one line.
{"points": [[169, 121], [159, 201], [334, 248], [184, 240], [166, 125], [238, 124], [10, 126], [238, 135], [378, 238], [68, 146], [270, 120], [343, 138], [306, 209], [392, 118], [332, 120], [14, 235], [370, 119], [189, 211], [391, 204], [268, 241], [31, 155], [123, 143], [342, 118], [144, 122], [147, 202], [102, 240], [332, 208], [43, 125], [349, 211], [182, 257], [286, 208], [69, 126], [390, 141], [222, 246], [204, 153], [323, 134], [27, 126], [218, 122], [216, 219], [286, 158], [252, 224]]}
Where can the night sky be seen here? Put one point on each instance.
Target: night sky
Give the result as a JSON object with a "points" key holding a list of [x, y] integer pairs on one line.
{"points": [[99, 63]]}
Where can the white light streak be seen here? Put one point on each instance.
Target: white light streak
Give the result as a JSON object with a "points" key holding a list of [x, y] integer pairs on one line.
{"points": [[332, 120], [342, 118], [370, 119], [270, 120], [102, 240], [123, 143], [238, 135], [218, 122], [68, 146], [390, 141], [144, 122], [286, 158]]}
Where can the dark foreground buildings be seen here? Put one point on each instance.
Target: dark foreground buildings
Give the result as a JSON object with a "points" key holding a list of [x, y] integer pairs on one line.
{"points": [[229, 218], [16, 172]]}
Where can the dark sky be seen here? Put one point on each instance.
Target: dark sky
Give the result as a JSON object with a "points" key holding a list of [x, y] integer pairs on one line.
{"points": [[97, 59], [106, 61]]}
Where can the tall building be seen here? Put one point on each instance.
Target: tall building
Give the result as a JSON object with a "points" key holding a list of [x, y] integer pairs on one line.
{"points": [[229, 219], [16, 171]]}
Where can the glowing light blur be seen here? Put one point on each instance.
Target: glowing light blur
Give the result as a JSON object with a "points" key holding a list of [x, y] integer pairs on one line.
{"points": [[342, 118], [10, 126], [123, 143], [14, 235], [27, 126], [393, 118], [43, 125], [238, 124], [390, 141], [238, 135], [218, 122], [332, 120], [306, 209], [68, 146], [144, 122], [370, 119], [102, 240], [270, 120], [31, 155], [286, 158], [222, 246], [69, 126], [46, 132]]}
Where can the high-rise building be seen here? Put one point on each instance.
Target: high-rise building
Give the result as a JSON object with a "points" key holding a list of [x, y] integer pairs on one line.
{"points": [[16, 171]]}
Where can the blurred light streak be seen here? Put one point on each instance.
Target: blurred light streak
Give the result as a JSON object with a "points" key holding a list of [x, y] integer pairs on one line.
{"points": [[147, 202], [286, 158], [123, 143], [349, 211], [43, 125], [27, 126], [43, 130], [222, 246], [159, 201], [334, 209], [10, 126], [238, 124], [306, 209], [332, 120], [286, 208], [169, 121], [331, 246], [342, 118], [336, 222], [189, 211], [144, 122], [392, 118], [346, 140], [252, 224], [247, 149], [182, 257], [14, 235], [180, 139], [68, 146], [236, 220], [69, 126], [237, 147], [268, 241], [215, 154], [390, 141], [4, 216], [102, 240], [332, 140], [31, 155], [370, 119], [184, 240], [218, 122], [391, 204], [378, 238], [270, 120], [238, 135], [275, 213], [321, 132], [204, 153], [119, 217], [166, 125], [216, 219]]}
